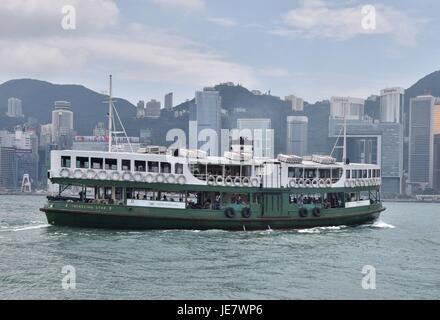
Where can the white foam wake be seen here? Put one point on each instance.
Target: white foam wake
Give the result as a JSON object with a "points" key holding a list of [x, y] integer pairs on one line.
{"points": [[382, 224], [320, 229], [40, 226]]}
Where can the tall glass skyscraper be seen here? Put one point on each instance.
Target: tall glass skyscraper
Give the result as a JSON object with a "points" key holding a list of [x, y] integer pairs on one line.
{"points": [[208, 116]]}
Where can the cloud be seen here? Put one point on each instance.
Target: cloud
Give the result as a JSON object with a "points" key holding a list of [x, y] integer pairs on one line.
{"points": [[187, 5], [223, 22], [41, 17], [274, 72], [316, 19]]}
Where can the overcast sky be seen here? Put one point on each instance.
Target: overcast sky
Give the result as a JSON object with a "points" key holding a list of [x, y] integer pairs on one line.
{"points": [[310, 48]]}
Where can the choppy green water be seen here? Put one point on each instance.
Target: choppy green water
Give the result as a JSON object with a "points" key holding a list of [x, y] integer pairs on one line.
{"points": [[320, 263]]}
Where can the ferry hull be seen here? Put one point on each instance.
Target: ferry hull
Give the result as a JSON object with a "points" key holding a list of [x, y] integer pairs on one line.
{"points": [[156, 220]]}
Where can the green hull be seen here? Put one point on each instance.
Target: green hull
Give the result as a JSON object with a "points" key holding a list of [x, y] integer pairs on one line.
{"points": [[136, 218]]}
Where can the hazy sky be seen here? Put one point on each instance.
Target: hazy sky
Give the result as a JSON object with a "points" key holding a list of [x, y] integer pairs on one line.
{"points": [[310, 48]]}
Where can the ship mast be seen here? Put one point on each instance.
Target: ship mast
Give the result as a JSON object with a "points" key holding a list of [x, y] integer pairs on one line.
{"points": [[110, 117], [344, 150]]}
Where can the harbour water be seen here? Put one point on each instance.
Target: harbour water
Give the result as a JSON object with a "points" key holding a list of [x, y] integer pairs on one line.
{"points": [[403, 246]]}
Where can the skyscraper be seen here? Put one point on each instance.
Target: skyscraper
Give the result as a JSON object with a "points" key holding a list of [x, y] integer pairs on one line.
{"points": [[262, 135], [297, 103], [14, 108], [62, 124], [391, 104], [168, 101], [140, 109], [208, 116], [153, 109], [424, 123], [297, 127], [353, 108]]}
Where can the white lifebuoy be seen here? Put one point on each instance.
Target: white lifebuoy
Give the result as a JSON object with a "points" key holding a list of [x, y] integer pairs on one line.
{"points": [[292, 183], [171, 179], [328, 183], [181, 180], [116, 176], [301, 183], [237, 182], [347, 183], [307, 183], [228, 181], [137, 176], [321, 183], [219, 180], [102, 175], [211, 180], [246, 181], [127, 176], [91, 174], [255, 182], [64, 173], [78, 174], [358, 182], [160, 178], [149, 178], [315, 183]]}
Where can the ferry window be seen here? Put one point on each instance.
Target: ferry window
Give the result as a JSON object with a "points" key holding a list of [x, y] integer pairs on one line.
{"points": [[378, 173], [139, 165], [153, 166], [111, 164], [165, 167], [178, 168], [347, 174], [96, 163], [82, 162], [359, 174], [126, 165], [324, 173], [336, 173], [369, 173], [365, 174], [291, 172], [65, 162], [310, 173]]}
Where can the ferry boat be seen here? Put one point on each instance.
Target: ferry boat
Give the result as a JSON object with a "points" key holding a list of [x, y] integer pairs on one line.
{"points": [[154, 188]]}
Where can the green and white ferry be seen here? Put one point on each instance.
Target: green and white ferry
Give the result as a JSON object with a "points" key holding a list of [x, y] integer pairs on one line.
{"points": [[187, 189]]}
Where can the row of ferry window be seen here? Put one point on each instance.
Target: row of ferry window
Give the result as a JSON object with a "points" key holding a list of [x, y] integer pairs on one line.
{"points": [[362, 174], [125, 165], [312, 173]]}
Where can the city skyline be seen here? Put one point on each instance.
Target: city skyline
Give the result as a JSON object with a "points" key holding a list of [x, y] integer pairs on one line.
{"points": [[180, 45]]}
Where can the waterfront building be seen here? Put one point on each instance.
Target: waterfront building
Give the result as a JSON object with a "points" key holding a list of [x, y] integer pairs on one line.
{"points": [[297, 133], [45, 134], [208, 116], [436, 180], [424, 124], [140, 109], [8, 178], [353, 108], [262, 135], [391, 104]]}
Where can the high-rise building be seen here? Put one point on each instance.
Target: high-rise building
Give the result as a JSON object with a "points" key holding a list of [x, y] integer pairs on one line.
{"points": [[14, 108], [100, 130], [391, 104], [168, 101], [140, 109], [424, 123], [208, 115], [353, 108], [153, 109], [45, 134], [436, 186], [297, 132], [297, 103], [8, 168], [62, 125], [261, 133], [373, 143]]}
